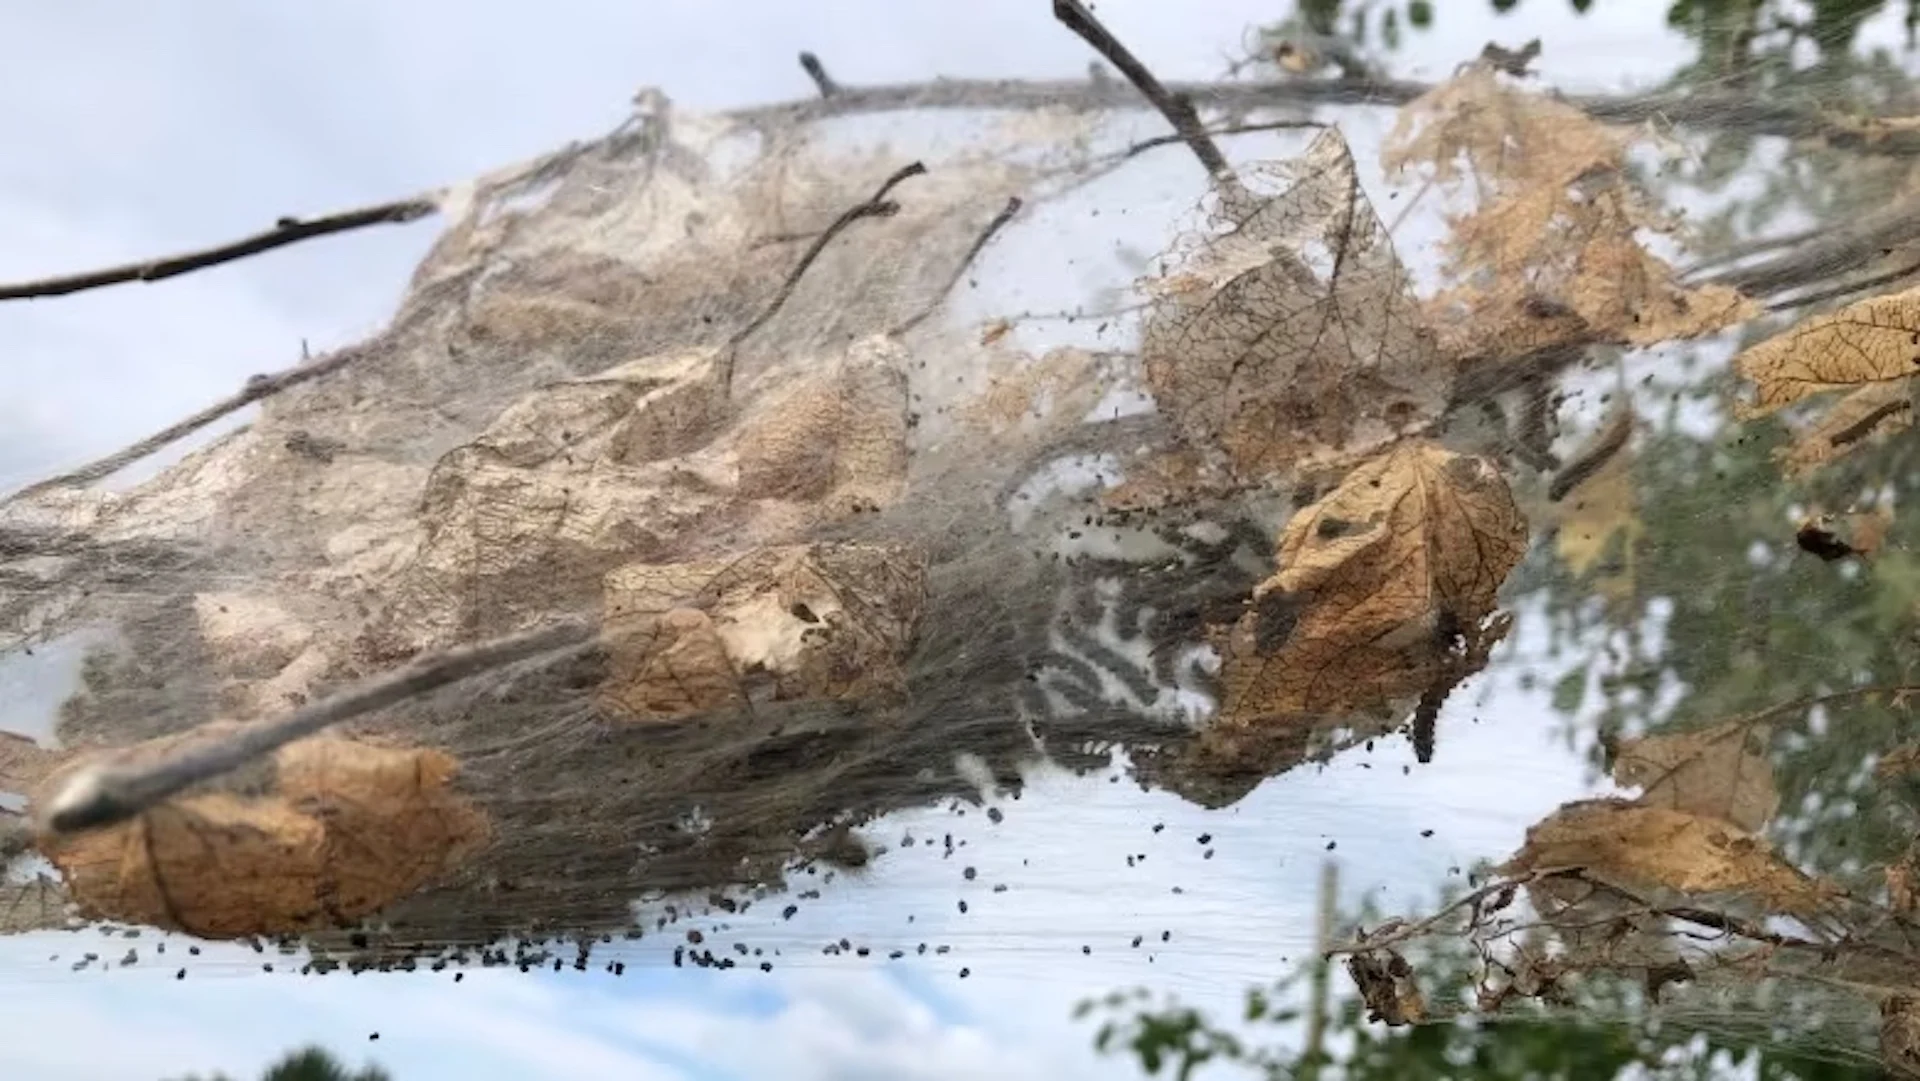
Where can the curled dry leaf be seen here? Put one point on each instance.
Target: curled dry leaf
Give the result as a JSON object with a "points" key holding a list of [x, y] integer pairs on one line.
{"points": [[828, 621], [1376, 584], [1550, 254], [1638, 848], [1870, 342], [348, 829], [1387, 985], [1287, 333], [1719, 772]]}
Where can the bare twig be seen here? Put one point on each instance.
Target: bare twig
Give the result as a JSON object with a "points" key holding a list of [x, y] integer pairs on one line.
{"points": [[257, 388], [1407, 931], [876, 206], [973, 252], [286, 231], [1145, 145], [104, 794], [1177, 108], [818, 73], [1845, 289]]}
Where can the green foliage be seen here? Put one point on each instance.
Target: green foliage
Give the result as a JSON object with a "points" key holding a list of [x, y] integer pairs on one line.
{"points": [[312, 1064]]}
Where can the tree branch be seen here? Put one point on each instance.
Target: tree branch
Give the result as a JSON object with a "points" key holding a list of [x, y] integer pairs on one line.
{"points": [[876, 206], [101, 795], [257, 388], [818, 73], [286, 231], [973, 252], [1177, 108]]}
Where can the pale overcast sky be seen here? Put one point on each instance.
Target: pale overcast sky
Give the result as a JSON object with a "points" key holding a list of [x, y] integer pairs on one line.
{"points": [[136, 129]]}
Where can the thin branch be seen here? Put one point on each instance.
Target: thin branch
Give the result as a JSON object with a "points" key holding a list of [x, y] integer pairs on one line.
{"points": [[286, 231], [1145, 145], [980, 242], [1845, 289], [1407, 932], [1177, 108], [104, 794], [818, 73], [257, 388], [876, 206]]}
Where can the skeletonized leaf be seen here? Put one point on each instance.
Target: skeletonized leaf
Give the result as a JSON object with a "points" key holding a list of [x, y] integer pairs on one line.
{"points": [[1639, 848], [1869, 342], [1287, 333], [1376, 580], [1875, 409], [1719, 772]]}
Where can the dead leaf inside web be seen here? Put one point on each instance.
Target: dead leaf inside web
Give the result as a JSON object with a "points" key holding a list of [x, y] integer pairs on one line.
{"points": [[1387, 579], [1643, 849], [779, 624], [1287, 333], [1550, 254], [1719, 772], [350, 828]]}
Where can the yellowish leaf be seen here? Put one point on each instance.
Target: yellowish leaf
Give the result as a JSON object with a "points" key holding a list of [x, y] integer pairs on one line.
{"points": [[1720, 772], [1602, 511], [1869, 342]]}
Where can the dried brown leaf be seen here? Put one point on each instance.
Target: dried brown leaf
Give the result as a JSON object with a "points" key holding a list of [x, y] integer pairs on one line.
{"points": [[352, 828], [1375, 581], [1719, 772], [1873, 341], [1387, 986], [1022, 390], [836, 436], [1638, 848], [1287, 333], [798, 622], [1550, 254], [1903, 881]]}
